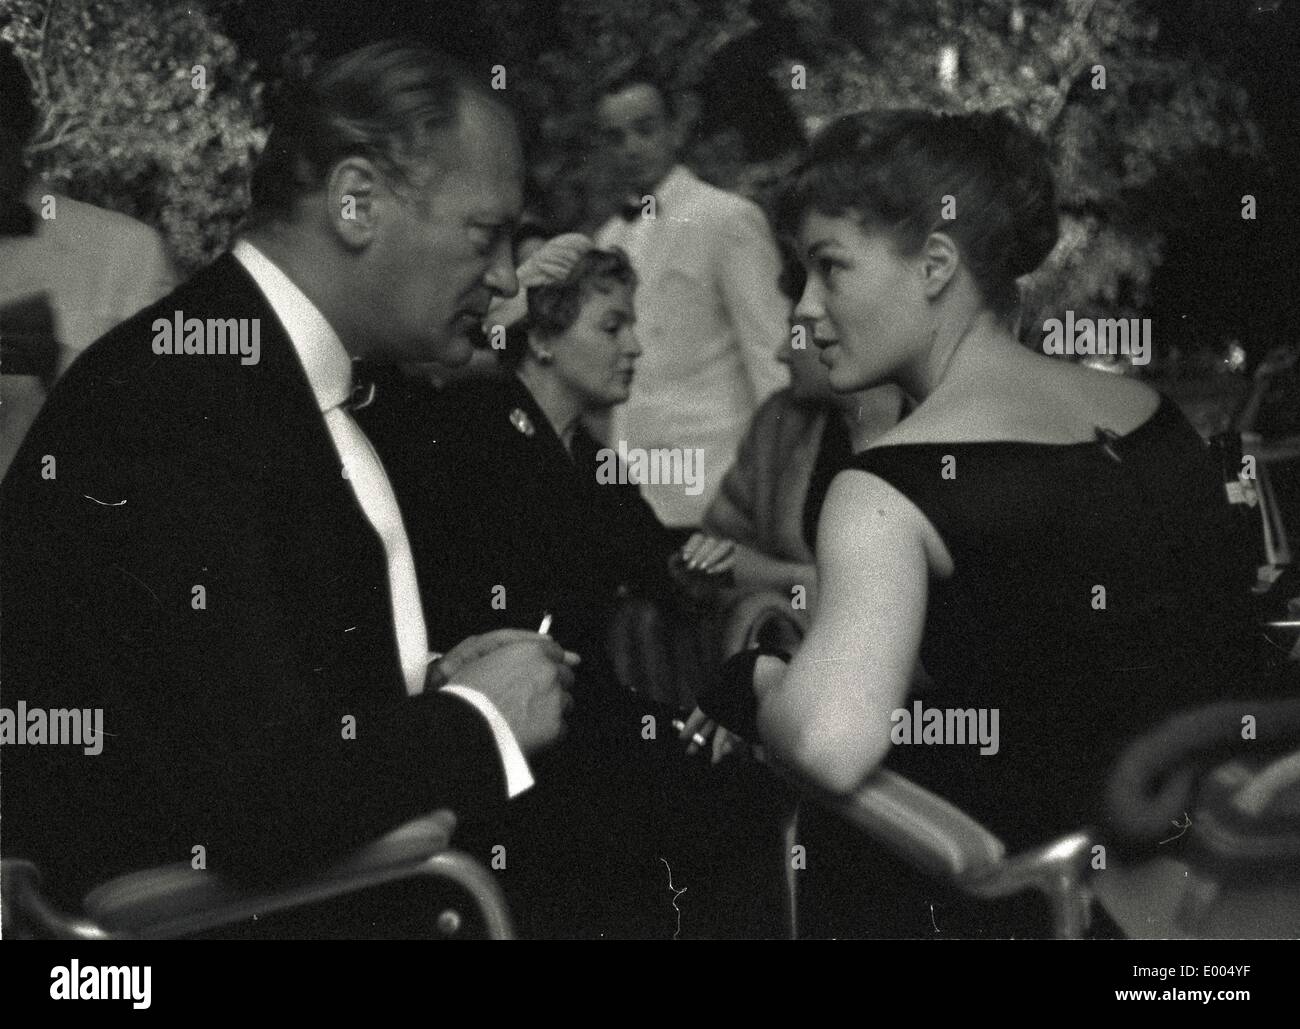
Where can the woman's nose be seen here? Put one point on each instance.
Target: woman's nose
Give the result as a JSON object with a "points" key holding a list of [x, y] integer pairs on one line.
{"points": [[631, 343], [810, 308]]}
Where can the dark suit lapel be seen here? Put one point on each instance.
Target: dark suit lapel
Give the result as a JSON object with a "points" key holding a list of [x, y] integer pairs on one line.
{"points": [[331, 555]]}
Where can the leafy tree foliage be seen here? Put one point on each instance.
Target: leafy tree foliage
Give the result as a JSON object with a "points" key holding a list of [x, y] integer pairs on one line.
{"points": [[1139, 134], [146, 109]]}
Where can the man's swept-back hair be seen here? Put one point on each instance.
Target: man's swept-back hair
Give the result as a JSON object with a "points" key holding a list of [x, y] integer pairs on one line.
{"points": [[390, 102], [643, 73]]}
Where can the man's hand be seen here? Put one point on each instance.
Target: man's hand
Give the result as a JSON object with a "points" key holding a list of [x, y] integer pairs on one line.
{"points": [[525, 675], [475, 647]]}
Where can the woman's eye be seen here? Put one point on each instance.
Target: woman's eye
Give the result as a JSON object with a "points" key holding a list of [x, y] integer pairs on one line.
{"points": [[825, 267]]}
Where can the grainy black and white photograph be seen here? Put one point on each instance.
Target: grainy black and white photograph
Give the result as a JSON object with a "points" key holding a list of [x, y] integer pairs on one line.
{"points": [[681, 470]]}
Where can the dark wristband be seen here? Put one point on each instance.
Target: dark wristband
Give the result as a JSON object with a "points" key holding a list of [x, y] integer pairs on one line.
{"points": [[730, 699]]}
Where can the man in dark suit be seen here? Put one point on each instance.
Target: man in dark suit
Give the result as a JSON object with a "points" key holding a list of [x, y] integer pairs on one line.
{"points": [[199, 541]]}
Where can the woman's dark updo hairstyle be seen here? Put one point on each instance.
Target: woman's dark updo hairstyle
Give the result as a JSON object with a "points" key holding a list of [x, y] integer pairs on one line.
{"points": [[893, 169]]}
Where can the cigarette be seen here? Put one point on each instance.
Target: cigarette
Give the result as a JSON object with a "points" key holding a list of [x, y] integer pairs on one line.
{"points": [[545, 627]]}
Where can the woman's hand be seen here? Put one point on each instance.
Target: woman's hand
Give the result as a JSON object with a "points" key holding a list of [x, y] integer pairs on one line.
{"points": [[750, 568], [722, 743], [554, 260], [711, 555]]}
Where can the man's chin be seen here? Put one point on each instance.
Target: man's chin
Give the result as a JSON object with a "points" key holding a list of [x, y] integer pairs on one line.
{"points": [[456, 351], [453, 349]]}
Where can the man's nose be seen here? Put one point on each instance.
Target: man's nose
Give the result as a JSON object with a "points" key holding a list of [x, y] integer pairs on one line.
{"points": [[631, 343], [783, 348], [500, 277]]}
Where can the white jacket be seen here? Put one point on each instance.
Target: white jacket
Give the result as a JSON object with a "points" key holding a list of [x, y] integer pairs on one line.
{"points": [[709, 318]]}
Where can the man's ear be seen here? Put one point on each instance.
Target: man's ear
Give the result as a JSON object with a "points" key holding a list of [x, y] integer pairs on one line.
{"points": [[940, 260], [352, 193]]}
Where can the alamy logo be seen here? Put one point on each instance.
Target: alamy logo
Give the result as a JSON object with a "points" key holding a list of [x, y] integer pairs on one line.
{"points": [[953, 725], [1105, 336], [61, 726], [674, 466], [181, 335], [108, 982]]}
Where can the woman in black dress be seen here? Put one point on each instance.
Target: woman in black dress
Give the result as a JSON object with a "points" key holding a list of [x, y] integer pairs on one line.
{"points": [[1053, 543]]}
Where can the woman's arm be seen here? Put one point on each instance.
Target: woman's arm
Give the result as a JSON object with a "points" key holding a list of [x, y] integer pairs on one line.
{"points": [[828, 718], [757, 571]]}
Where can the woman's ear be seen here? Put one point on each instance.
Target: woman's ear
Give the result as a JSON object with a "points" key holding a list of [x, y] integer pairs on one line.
{"points": [[939, 262]]}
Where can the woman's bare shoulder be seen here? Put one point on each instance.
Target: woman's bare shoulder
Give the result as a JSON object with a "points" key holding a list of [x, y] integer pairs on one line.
{"points": [[1059, 404]]}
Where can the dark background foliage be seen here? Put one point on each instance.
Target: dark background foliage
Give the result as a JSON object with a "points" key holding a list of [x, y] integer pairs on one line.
{"points": [[1198, 110]]}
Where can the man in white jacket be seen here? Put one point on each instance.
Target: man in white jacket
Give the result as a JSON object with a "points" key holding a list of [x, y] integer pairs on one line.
{"points": [[709, 313]]}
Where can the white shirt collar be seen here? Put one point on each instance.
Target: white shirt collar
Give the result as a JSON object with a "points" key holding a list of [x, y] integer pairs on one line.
{"points": [[319, 349], [676, 184]]}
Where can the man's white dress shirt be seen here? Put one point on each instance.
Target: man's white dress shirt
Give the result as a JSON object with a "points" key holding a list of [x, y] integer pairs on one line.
{"points": [[710, 318], [329, 372]]}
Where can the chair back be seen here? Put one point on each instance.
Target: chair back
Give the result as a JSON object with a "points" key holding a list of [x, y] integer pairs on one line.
{"points": [[27, 915]]}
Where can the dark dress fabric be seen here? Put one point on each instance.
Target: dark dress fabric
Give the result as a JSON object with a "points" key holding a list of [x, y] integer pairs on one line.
{"points": [[1033, 530]]}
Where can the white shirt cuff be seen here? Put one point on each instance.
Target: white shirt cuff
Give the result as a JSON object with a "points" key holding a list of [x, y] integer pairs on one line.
{"points": [[519, 777]]}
